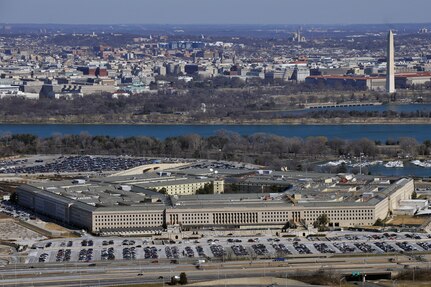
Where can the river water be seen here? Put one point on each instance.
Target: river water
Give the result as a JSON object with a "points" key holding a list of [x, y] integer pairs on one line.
{"points": [[375, 132]]}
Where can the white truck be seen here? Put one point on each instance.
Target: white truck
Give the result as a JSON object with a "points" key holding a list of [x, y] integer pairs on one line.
{"points": [[199, 262]]}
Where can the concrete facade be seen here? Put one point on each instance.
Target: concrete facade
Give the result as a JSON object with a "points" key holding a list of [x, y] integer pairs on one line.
{"points": [[101, 207]]}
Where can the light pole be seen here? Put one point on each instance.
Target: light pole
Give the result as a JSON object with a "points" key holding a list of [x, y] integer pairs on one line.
{"points": [[360, 162], [15, 274], [225, 279]]}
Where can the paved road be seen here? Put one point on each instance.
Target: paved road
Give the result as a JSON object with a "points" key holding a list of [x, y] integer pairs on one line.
{"points": [[111, 274]]}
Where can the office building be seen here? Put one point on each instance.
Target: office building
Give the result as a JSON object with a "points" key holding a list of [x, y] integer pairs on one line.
{"points": [[130, 205]]}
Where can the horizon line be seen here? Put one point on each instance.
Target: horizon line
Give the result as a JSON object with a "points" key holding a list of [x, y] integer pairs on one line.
{"points": [[218, 24]]}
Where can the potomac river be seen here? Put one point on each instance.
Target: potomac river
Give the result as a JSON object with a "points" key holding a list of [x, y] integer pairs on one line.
{"points": [[372, 131]]}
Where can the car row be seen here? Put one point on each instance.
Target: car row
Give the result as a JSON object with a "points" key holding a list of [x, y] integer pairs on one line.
{"points": [[344, 247], [200, 251], [168, 252], [239, 250], [128, 242], [107, 254], [406, 246], [150, 252], [107, 242], [86, 242], [281, 248], [385, 247], [425, 245], [301, 248], [43, 257], [15, 211], [413, 236], [217, 250], [188, 251], [273, 239], [365, 247], [129, 253], [232, 240], [260, 249], [63, 255], [323, 248], [67, 244], [86, 255]]}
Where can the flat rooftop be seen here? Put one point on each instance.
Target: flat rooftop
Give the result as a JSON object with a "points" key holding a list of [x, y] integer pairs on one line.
{"points": [[133, 192]]}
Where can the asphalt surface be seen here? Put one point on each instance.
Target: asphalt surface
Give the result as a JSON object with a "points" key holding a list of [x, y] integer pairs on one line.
{"points": [[222, 248], [116, 272]]}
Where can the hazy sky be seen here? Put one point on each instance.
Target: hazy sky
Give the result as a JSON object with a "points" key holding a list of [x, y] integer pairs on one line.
{"points": [[215, 11]]}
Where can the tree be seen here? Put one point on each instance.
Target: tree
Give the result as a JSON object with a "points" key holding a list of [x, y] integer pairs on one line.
{"points": [[316, 146], [163, 190], [321, 221], [409, 146], [183, 278], [379, 222], [174, 280], [14, 198], [342, 168], [207, 189], [414, 195]]}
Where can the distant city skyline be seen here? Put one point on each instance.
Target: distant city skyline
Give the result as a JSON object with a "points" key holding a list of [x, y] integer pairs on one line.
{"points": [[215, 12]]}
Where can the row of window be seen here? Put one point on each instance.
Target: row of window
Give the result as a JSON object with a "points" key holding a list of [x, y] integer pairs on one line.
{"points": [[195, 215], [344, 211], [128, 224], [128, 217], [223, 218], [123, 217], [340, 218]]}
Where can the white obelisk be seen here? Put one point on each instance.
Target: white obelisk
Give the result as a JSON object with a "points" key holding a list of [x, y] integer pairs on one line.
{"points": [[390, 62]]}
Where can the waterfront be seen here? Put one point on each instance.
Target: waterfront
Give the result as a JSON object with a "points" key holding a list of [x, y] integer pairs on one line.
{"points": [[380, 132], [409, 169], [399, 108]]}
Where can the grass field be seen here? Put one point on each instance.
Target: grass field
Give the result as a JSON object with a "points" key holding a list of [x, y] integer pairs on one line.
{"points": [[402, 283], [142, 285], [55, 227], [4, 216], [408, 220]]}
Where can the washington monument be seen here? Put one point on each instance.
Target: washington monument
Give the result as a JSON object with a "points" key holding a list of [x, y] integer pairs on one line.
{"points": [[390, 68]]}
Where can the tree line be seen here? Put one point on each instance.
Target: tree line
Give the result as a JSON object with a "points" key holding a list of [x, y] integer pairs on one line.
{"points": [[260, 148], [243, 104]]}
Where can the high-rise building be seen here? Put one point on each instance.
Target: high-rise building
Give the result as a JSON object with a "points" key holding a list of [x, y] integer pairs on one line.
{"points": [[390, 62]]}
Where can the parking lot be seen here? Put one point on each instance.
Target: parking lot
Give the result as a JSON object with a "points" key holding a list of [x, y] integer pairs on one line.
{"points": [[104, 249], [92, 164], [66, 164]]}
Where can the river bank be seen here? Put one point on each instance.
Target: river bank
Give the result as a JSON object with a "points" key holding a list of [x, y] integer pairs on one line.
{"points": [[173, 120]]}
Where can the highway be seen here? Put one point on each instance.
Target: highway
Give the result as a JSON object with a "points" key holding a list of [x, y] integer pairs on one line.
{"points": [[127, 272]]}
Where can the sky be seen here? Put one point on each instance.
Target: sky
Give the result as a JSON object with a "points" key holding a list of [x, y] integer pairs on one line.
{"points": [[215, 11]]}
